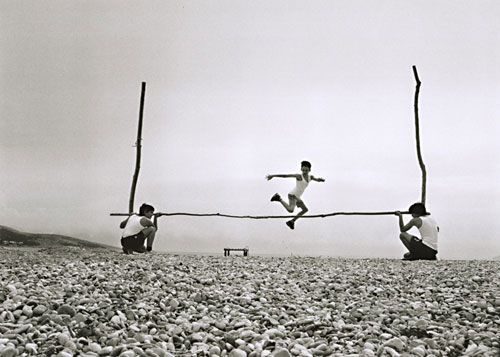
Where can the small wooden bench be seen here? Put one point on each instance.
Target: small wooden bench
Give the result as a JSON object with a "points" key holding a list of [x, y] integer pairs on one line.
{"points": [[227, 251]]}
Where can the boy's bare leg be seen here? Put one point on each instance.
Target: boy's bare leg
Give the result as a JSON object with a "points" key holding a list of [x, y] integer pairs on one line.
{"points": [[290, 207], [303, 211], [291, 223], [149, 233], [406, 239]]}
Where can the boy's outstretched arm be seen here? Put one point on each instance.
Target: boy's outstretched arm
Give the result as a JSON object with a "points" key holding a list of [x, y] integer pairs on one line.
{"points": [[318, 179], [155, 222], [270, 177], [414, 222]]}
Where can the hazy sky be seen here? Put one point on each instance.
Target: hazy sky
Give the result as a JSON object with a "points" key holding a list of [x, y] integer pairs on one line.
{"points": [[240, 89]]}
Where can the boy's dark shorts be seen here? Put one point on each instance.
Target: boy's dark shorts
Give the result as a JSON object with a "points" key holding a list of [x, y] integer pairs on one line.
{"points": [[135, 242], [419, 250]]}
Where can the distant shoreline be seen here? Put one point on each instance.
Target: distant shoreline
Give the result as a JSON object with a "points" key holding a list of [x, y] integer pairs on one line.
{"points": [[10, 237]]}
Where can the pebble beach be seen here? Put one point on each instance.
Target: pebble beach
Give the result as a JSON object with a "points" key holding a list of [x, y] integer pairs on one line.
{"points": [[72, 301]]}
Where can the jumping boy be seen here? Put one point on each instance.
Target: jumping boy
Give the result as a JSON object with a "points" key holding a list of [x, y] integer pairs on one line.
{"points": [[419, 248], [139, 228], [302, 181]]}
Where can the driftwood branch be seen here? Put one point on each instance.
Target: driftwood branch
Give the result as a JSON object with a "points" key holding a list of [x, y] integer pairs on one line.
{"points": [[323, 215], [138, 154], [417, 135]]}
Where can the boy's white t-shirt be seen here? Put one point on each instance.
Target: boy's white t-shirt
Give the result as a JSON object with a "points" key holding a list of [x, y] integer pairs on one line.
{"points": [[300, 187], [133, 226], [429, 232]]}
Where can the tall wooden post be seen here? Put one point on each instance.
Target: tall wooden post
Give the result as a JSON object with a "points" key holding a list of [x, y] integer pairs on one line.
{"points": [[417, 135], [138, 154]]}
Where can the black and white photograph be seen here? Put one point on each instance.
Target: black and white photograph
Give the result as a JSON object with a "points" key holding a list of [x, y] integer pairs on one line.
{"points": [[250, 178]]}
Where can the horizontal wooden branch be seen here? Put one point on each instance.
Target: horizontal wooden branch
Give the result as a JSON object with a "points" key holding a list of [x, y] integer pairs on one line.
{"points": [[323, 215]]}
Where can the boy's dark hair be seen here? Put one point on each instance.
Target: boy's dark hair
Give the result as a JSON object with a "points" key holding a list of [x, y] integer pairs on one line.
{"points": [[306, 164], [144, 208], [418, 208]]}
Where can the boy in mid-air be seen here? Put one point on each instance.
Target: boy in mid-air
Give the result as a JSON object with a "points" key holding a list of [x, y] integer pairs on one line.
{"points": [[302, 181]]}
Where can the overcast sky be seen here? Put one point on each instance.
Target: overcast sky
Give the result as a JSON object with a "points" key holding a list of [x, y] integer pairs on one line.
{"points": [[240, 89]]}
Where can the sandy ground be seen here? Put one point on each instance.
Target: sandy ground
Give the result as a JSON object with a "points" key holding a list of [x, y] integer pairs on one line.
{"points": [[90, 302]]}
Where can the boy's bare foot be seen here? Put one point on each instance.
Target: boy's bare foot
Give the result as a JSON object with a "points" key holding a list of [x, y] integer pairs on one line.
{"points": [[291, 224], [276, 197]]}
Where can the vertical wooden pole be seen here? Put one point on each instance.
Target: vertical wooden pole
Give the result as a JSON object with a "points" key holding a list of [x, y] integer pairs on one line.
{"points": [[417, 135], [138, 154]]}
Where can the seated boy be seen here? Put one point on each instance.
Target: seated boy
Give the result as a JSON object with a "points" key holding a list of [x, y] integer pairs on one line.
{"points": [[419, 248]]}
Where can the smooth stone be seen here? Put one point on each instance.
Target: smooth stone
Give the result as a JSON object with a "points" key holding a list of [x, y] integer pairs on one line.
{"points": [[215, 350], [130, 315], [196, 327], [105, 351], [237, 353], [482, 304], [95, 347], [12, 289], [21, 329], [220, 325], [274, 333], [31, 348], [164, 337], [64, 354], [79, 317], [369, 346], [471, 334], [317, 352], [197, 337], [391, 351], [66, 310], [140, 337], [281, 353], [27, 311], [127, 354], [138, 351], [17, 314], [431, 343], [39, 310], [8, 352], [367, 353], [421, 324], [149, 352], [419, 351], [395, 343], [70, 345], [177, 330], [63, 338], [174, 303]]}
